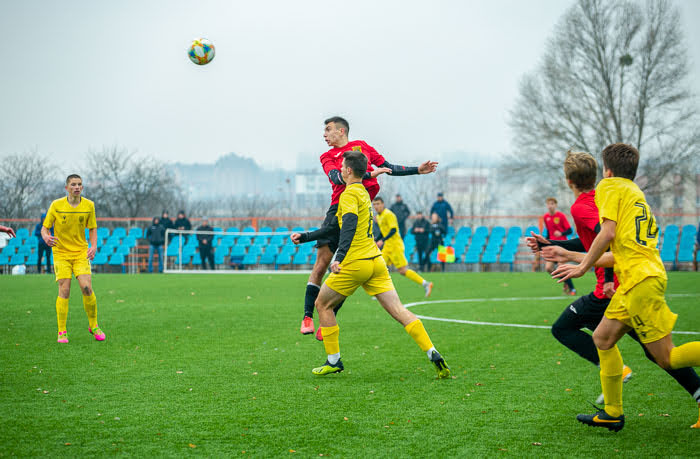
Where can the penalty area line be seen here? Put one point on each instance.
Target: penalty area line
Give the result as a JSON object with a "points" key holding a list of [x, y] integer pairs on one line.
{"points": [[501, 300]]}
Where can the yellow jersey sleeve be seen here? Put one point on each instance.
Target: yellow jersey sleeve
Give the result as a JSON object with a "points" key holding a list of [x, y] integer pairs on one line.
{"points": [[635, 246], [50, 216], [388, 221], [355, 200]]}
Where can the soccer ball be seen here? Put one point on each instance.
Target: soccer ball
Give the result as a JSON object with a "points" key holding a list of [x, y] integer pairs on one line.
{"points": [[201, 51]]}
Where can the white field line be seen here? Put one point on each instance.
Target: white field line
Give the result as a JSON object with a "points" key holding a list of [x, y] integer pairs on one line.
{"points": [[502, 300]]}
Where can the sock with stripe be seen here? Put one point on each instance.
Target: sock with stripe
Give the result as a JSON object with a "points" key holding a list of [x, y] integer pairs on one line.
{"points": [[331, 342]]}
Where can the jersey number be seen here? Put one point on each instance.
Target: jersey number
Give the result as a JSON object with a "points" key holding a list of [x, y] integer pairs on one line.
{"points": [[642, 221], [371, 221]]}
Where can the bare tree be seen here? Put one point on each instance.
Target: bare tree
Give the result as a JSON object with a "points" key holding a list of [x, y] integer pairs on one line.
{"points": [[124, 185], [24, 185], [614, 71]]}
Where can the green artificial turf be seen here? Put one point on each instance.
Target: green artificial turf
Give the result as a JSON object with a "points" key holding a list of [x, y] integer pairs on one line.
{"points": [[214, 365]]}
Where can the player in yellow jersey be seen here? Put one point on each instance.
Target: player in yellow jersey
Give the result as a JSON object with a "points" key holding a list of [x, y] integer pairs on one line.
{"points": [[69, 217], [358, 262], [392, 245], [629, 228]]}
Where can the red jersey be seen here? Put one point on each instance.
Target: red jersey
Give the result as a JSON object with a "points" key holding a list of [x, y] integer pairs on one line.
{"points": [[585, 214], [556, 222], [333, 159]]}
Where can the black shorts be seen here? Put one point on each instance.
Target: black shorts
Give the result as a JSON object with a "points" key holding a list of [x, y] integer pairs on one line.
{"points": [[585, 312], [332, 239]]}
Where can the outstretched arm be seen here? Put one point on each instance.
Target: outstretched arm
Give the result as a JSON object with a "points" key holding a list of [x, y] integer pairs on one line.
{"points": [[425, 168], [8, 230], [599, 246]]}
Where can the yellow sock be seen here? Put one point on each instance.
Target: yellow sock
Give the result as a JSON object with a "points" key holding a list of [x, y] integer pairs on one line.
{"points": [[330, 339], [411, 274], [61, 312], [685, 355], [419, 335], [611, 380], [90, 306]]}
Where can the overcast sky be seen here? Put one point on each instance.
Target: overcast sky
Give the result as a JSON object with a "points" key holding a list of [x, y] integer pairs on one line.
{"points": [[414, 78]]}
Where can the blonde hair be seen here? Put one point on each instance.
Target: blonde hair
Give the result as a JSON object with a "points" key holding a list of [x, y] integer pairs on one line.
{"points": [[581, 169]]}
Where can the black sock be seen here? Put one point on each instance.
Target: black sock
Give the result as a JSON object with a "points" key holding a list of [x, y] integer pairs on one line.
{"points": [[569, 284], [310, 299], [567, 330], [337, 308]]}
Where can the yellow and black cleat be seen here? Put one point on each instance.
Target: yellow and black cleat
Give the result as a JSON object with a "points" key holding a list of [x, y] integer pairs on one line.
{"points": [[443, 371], [602, 419], [327, 368]]}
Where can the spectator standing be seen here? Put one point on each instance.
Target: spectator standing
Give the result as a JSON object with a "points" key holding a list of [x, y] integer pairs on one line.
{"points": [[182, 222], [558, 228], [437, 237], [402, 212], [206, 251], [166, 222], [443, 208], [421, 232], [41, 247], [156, 238]]}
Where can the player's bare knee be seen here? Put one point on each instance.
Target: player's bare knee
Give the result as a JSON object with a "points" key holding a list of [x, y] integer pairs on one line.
{"points": [[87, 291], [664, 362], [603, 342]]}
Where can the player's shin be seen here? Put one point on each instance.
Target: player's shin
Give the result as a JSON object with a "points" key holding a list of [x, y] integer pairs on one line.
{"points": [[61, 313], [414, 276], [90, 306], [685, 355], [310, 299], [416, 330], [611, 380], [331, 343]]}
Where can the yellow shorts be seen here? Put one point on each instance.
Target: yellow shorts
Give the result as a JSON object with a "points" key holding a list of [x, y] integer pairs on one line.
{"points": [[394, 257], [644, 308], [65, 267], [372, 275]]}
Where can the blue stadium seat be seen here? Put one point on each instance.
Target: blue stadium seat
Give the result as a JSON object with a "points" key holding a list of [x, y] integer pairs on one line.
{"points": [[255, 250], [32, 241], [283, 259], [173, 250], [134, 231], [113, 240], [24, 250], [306, 248], [473, 254], [281, 229], [32, 259], [490, 256], [186, 259], [260, 240], [196, 259], [100, 259], [22, 233], [265, 229], [129, 241], [120, 232], [8, 251], [220, 257], [218, 229], [233, 230], [106, 250], [289, 250], [191, 241], [102, 232], [298, 229], [189, 250], [268, 258], [248, 229], [250, 259], [116, 259], [312, 258], [532, 229], [227, 240], [278, 239], [244, 241], [301, 259], [4, 260], [123, 250]]}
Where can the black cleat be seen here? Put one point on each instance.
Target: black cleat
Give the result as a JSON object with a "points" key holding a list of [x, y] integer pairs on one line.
{"points": [[443, 370], [602, 419]]}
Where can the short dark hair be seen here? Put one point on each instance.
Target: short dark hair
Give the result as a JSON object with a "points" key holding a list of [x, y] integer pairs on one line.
{"points": [[581, 168], [378, 199], [357, 161], [71, 177], [340, 121], [621, 159]]}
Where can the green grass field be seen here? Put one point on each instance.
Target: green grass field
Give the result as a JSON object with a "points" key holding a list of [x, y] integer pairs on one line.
{"points": [[214, 365]]}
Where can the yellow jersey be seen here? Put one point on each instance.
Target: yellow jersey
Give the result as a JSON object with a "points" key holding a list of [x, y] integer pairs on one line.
{"points": [[69, 225], [635, 246], [355, 200], [387, 220]]}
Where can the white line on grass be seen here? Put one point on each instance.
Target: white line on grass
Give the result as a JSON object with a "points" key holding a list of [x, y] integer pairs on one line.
{"points": [[501, 300]]}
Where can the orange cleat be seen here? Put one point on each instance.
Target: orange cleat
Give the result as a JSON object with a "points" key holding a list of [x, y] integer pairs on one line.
{"points": [[307, 326]]}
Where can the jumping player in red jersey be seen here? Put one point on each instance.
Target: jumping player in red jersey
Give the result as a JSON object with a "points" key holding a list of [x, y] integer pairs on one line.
{"points": [[587, 311], [558, 228], [336, 136]]}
